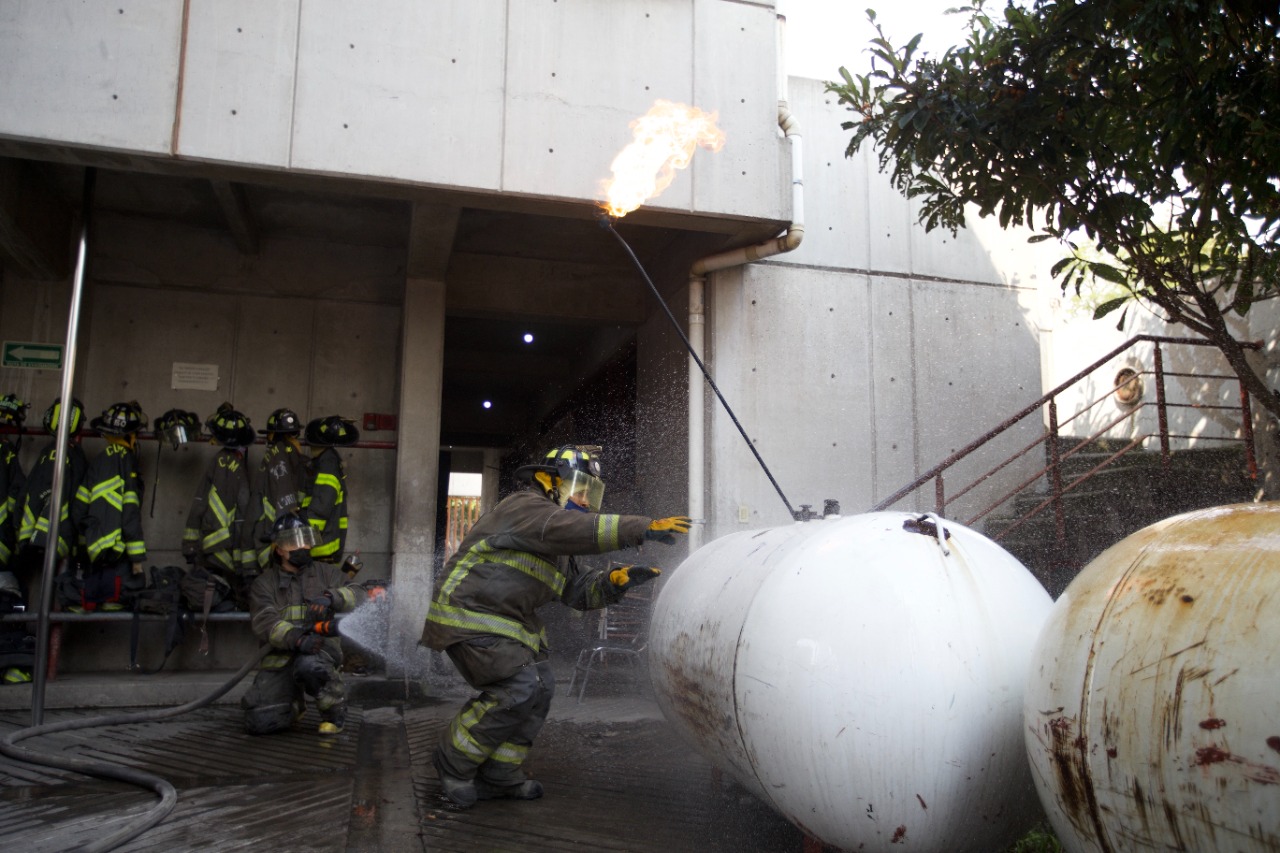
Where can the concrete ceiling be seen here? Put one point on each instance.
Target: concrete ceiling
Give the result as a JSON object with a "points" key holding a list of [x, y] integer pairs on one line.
{"points": [[513, 266]]}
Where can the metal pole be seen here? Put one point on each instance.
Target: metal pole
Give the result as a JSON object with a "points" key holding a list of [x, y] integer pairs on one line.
{"points": [[1162, 410], [60, 458]]}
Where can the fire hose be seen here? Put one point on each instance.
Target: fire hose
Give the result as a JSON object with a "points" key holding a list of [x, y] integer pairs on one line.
{"points": [[106, 770], [377, 589]]}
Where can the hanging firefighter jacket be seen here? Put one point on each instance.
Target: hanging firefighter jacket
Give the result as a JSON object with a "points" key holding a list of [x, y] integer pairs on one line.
{"points": [[324, 506], [11, 482], [218, 513], [510, 564], [278, 487], [33, 504], [110, 501]]}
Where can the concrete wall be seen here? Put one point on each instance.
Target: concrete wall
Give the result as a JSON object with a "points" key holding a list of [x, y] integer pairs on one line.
{"points": [[527, 97], [870, 353]]}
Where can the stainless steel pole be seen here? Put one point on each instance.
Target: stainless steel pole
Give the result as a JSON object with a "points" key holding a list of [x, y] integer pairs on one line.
{"points": [[39, 677]]}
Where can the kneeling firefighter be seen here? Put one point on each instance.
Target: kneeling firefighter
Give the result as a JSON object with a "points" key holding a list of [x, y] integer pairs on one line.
{"points": [[291, 608], [517, 557]]}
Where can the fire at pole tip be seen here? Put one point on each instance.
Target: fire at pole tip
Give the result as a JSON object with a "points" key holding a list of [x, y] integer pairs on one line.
{"points": [[663, 140]]}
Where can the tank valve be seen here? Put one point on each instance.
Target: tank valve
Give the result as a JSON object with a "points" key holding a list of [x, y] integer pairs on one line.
{"points": [[830, 507]]}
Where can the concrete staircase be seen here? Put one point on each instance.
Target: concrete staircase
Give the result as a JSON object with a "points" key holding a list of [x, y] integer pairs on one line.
{"points": [[1130, 493]]}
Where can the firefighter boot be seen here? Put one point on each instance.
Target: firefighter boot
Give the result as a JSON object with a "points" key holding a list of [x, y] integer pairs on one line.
{"points": [[460, 792], [529, 789]]}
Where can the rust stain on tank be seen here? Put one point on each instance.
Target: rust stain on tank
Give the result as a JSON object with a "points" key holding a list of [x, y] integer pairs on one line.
{"points": [[1212, 723], [1210, 755], [696, 705], [899, 834], [1263, 774], [921, 799], [1274, 742], [1068, 764]]}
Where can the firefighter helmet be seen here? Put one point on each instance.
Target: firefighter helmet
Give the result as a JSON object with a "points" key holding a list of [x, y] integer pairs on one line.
{"points": [[55, 409], [178, 426], [282, 422], [290, 531], [229, 427], [12, 410], [120, 419], [332, 431], [578, 467]]}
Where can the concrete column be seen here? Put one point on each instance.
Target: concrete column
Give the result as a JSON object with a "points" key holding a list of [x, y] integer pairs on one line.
{"points": [[417, 469]]}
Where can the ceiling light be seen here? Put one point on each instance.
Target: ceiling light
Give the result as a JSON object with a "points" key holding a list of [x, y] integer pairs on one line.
{"points": [[528, 337]]}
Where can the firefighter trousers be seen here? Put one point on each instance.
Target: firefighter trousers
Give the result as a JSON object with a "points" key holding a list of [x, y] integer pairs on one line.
{"points": [[277, 696], [490, 737]]}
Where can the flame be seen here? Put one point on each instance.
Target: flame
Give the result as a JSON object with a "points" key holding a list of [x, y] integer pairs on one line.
{"points": [[663, 140]]}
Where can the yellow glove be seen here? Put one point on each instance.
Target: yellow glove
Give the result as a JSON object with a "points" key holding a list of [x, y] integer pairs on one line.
{"points": [[628, 576], [664, 529]]}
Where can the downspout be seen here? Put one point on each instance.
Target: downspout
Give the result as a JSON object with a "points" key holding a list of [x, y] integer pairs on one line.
{"points": [[785, 242]]}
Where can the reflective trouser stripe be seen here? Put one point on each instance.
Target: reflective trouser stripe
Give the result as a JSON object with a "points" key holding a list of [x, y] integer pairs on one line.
{"points": [[510, 753], [460, 730]]}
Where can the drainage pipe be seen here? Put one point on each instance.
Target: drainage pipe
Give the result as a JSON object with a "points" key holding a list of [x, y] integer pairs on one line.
{"points": [[697, 311]]}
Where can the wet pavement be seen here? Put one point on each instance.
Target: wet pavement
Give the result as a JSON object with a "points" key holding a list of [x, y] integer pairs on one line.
{"points": [[616, 777]]}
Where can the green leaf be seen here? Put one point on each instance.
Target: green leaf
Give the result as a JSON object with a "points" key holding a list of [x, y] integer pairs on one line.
{"points": [[1107, 307], [1106, 272]]}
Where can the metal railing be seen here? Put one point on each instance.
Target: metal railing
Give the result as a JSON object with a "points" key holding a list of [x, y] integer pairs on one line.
{"points": [[1053, 474]]}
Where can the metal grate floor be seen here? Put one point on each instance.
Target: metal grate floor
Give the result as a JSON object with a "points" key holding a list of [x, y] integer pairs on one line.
{"points": [[616, 779]]}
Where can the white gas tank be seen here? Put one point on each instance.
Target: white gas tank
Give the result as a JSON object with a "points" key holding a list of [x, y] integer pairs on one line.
{"points": [[862, 675], [1153, 708]]}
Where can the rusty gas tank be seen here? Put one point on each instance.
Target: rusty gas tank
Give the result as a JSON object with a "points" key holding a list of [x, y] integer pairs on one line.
{"points": [[861, 675], [1153, 708]]}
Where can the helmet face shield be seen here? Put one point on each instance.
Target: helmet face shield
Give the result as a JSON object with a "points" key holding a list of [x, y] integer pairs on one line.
{"points": [[582, 489], [292, 538]]}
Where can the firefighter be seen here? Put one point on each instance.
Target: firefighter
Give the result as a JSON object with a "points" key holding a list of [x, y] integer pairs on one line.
{"points": [[324, 506], [110, 502], [32, 509], [12, 414], [214, 536], [517, 557], [280, 482], [15, 659], [292, 605]]}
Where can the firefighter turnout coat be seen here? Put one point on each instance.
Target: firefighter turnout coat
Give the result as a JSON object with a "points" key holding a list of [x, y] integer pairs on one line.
{"points": [[278, 607], [218, 512], [278, 488], [516, 558], [325, 505], [11, 482], [110, 502], [33, 504]]}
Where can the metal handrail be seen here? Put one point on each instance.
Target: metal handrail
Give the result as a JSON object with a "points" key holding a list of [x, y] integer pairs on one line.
{"points": [[1051, 436]]}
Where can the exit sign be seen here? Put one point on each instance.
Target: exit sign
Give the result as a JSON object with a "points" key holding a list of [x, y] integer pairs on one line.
{"points": [[32, 355]]}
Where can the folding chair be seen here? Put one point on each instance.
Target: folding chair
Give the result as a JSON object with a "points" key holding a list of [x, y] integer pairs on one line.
{"points": [[621, 635]]}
